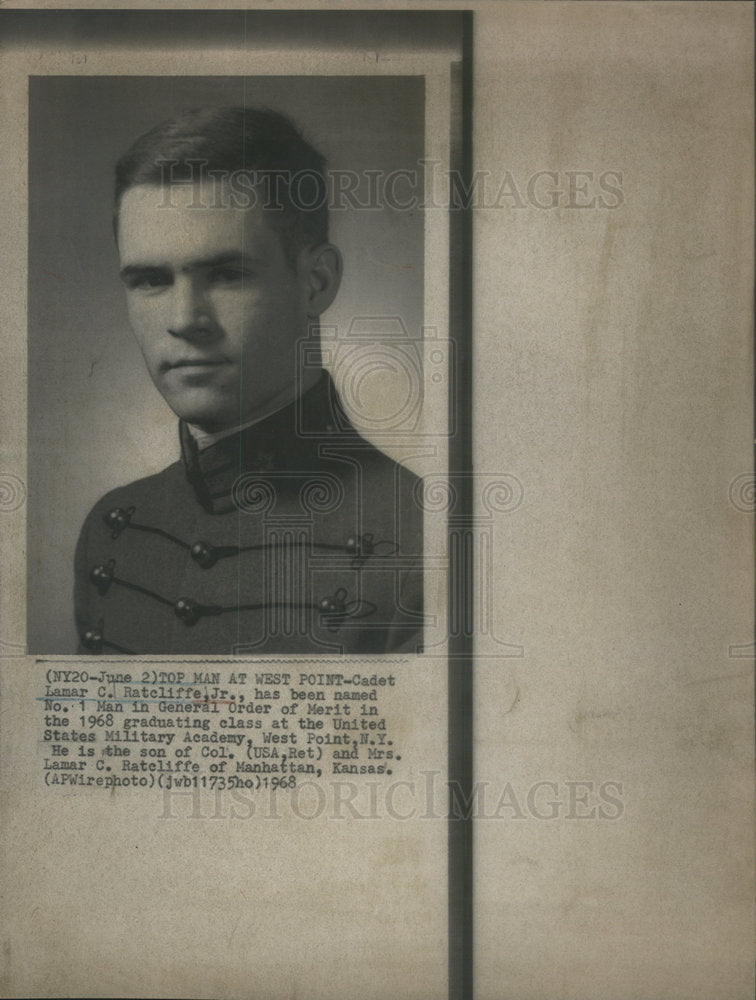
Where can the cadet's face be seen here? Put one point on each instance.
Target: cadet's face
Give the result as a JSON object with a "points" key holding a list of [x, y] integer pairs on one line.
{"points": [[215, 305]]}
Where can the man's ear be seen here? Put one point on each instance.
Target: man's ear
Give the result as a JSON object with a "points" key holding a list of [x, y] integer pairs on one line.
{"points": [[323, 275]]}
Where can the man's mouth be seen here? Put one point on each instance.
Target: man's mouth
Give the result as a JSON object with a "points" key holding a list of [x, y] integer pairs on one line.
{"points": [[193, 363]]}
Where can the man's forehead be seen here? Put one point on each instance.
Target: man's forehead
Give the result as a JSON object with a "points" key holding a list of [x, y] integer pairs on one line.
{"points": [[177, 218]]}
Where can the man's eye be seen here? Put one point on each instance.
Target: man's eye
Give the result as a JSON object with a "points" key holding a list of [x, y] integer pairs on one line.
{"points": [[227, 275], [148, 281]]}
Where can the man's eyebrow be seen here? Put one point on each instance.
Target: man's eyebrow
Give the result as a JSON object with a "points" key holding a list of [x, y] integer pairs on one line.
{"points": [[217, 260], [132, 269]]}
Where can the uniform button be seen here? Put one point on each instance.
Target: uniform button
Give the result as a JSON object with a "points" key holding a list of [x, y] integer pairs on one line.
{"points": [[204, 555], [187, 610], [360, 545], [333, 605], [117, 519], [92, 640], [333, 610], [102, 575]]}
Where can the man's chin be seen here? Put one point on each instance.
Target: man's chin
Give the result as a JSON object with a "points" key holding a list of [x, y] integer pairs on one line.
{"points": [[207, 416], [211, 411]]}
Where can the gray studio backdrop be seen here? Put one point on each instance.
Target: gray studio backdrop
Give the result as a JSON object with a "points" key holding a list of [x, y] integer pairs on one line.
{"points": [[95, 421]]}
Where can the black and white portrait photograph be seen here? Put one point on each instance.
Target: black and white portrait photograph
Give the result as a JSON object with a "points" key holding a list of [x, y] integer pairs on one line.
{"points": [[228, 295]]}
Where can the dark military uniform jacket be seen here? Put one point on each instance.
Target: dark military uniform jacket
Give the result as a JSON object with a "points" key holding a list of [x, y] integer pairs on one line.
{"points": [[294, 535]]}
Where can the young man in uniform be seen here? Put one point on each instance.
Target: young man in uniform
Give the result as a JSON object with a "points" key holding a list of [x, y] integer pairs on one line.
{"points": [[280, 530]]}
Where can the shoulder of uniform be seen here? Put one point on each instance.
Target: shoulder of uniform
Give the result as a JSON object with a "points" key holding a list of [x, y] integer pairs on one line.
{"points": [[136, 492], [380, 465]]}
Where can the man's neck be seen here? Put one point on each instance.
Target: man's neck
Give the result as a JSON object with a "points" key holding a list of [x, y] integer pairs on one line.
{"points": [[206, 437]]}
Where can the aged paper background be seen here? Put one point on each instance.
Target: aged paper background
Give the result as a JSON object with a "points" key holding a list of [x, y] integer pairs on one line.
{"points": [[613, 378], [614, 360]]}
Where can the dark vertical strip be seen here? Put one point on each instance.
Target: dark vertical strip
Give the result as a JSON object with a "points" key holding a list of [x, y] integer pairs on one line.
{"points": [[461, 539]]}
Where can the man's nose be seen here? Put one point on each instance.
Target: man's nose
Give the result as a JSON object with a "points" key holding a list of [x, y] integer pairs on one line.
{"points": [[191, 314]]}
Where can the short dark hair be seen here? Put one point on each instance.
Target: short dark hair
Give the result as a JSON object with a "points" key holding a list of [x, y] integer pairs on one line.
{"points": [[258, 142]]}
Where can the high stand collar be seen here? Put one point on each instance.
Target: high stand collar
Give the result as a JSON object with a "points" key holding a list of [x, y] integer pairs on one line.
{"points": [[287, 440]]}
